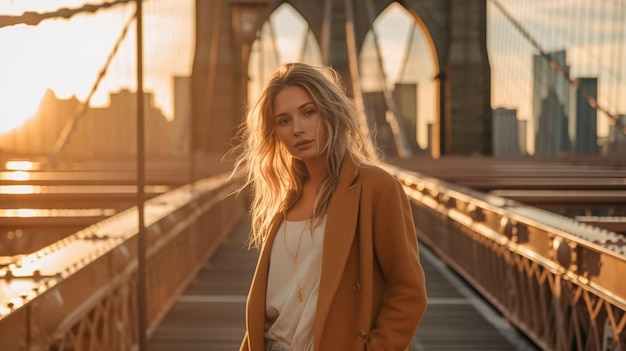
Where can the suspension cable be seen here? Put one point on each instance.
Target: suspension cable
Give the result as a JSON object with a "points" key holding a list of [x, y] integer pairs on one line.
{"points": [[407, 53], [31, 18], [70, 126]]}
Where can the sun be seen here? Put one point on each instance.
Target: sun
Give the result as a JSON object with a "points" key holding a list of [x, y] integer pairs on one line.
{"points": [[66, 56], [37, 58], [21, 87], [17, 105]]}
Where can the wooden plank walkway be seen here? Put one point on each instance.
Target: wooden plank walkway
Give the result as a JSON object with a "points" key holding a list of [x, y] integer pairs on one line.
{"points": [[209, 315]]}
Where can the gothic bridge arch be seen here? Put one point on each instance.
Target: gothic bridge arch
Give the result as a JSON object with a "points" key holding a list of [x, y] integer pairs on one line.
{"points": [[456, 30]]}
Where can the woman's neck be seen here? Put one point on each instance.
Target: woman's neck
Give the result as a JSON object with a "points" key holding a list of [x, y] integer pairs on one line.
{"points": [[318, 171], [304, 205]]}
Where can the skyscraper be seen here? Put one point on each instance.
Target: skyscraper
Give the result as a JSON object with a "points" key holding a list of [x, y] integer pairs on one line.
{"points": [[551, 105], [552, 138], [585, 136], [505, 133]]}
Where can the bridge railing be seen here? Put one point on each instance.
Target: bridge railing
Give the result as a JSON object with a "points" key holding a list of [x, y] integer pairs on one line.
{"points": [[557, 280], [81, 293]]}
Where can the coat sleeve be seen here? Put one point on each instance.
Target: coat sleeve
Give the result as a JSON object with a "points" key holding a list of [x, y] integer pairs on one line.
{"points": [[395, 247]]}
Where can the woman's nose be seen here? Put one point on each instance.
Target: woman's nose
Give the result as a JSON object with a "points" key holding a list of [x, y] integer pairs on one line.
{"points": [[298, 128]]}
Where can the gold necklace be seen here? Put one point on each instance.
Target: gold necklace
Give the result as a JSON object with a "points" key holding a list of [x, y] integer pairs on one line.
{"points": [[294, 257]]}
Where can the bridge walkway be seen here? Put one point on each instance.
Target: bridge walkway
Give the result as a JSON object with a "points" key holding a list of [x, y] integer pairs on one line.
{"points": [[209, 314]]}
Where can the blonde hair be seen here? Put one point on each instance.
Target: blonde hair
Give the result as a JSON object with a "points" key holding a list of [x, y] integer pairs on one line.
{"points": [[274, 177]]}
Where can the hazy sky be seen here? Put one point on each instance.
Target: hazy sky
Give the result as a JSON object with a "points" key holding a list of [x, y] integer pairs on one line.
{"points": [[67, 55]]}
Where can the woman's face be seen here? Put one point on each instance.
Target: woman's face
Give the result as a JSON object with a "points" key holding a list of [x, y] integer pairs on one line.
{"points": [[298, 123]]}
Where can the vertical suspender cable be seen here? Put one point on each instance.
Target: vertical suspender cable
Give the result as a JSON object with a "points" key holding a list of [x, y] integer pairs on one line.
{"points": [[305, 41], [393, 116], [510, 41], [616, 20], [325, 36], [407, 53], [619, 61], [274, 43], [141, 164], [353, 66], [585, 23], [215, 42], [261, 62], [578, 37], [602, 56]]}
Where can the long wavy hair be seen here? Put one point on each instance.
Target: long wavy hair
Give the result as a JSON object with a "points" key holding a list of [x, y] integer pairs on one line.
{"points": [[270, 172]]}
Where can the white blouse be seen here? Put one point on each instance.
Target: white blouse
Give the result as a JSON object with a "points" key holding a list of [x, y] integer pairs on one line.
{"points": [[293, 319]]}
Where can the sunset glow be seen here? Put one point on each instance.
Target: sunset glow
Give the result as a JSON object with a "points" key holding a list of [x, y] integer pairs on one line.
{"points": [[73, 50], [20, 176], [22, 212], [19, 189], [19, 165], [67, 56]]}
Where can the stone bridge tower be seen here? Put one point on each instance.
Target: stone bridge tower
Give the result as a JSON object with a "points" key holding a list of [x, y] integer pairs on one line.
{"points": [[455, 29]]}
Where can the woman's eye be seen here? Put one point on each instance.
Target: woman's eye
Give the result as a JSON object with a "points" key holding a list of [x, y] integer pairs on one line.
{"points": [[308, 112], [283, 121]]}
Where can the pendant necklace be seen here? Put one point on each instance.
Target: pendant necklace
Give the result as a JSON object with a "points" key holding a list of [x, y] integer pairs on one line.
{"points": [[294, 257]]}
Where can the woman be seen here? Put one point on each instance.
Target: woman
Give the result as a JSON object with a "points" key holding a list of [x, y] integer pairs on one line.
{"points": [[338, 266]]}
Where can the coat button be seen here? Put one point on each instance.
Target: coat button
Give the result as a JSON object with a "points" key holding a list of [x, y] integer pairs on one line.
{"points": [[361, 335], [356, 287]]}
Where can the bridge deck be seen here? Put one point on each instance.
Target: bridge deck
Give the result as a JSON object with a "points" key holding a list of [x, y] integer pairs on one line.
{"points": [[209, 315]]}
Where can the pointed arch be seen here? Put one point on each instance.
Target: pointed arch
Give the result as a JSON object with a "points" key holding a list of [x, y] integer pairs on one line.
{"points": [[406, 66], [285, 36]]}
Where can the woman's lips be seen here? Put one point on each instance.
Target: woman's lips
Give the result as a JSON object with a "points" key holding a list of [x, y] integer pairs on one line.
{"points": [[303, 144]]}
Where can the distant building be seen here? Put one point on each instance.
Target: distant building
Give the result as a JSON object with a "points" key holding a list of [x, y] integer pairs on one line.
{"points": [[505, 133], [583, 132], [552, 138], [111, 131], [551, 106], [100, 132], [563, 120]]}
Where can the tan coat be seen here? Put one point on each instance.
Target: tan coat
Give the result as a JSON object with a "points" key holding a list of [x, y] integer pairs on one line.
{"points": [[372, 292]]}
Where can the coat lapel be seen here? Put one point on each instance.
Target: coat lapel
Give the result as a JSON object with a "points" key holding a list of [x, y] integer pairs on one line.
{"points": [[341, 225], [256, 298]]}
